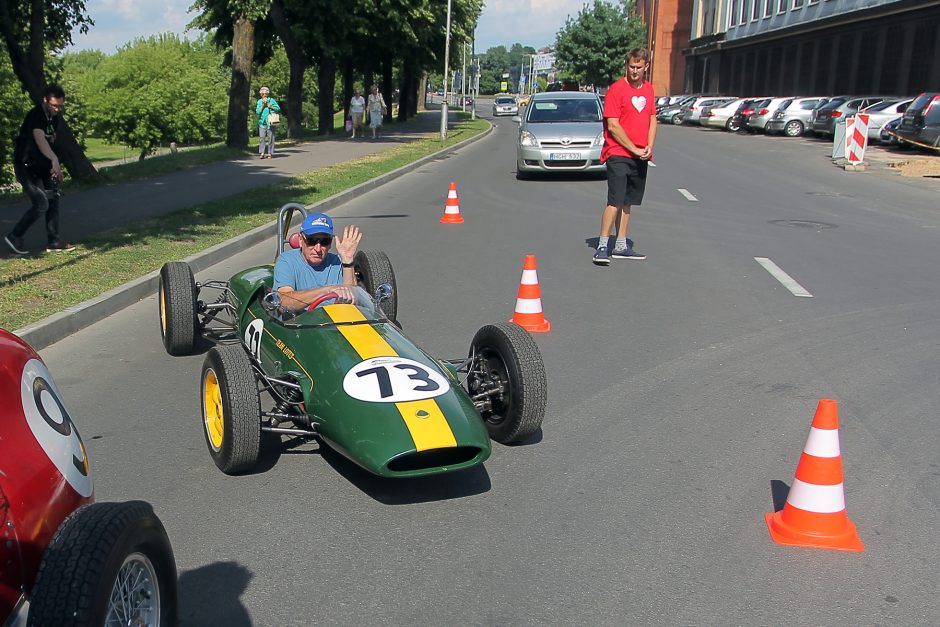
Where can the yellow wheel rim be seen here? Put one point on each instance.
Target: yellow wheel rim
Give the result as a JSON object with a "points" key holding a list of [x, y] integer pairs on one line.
{"points": [[212, 413], [163, 309]]}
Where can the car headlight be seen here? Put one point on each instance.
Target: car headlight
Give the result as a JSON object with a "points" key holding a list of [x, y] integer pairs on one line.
{"points": [[599, 140], [527, 139]]}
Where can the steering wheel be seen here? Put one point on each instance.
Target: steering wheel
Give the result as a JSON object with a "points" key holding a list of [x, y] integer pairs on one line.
{"points": [[320, 299]]}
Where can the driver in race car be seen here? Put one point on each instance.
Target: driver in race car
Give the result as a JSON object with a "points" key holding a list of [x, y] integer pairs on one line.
{"points": [[302, 275]]}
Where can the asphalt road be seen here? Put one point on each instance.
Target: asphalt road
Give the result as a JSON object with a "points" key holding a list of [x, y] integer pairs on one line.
{"points": [[681, 391]]}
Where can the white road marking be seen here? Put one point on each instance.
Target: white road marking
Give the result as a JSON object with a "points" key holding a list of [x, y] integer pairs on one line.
{"points": [[652, 165], [785, 279], [687, 195]]}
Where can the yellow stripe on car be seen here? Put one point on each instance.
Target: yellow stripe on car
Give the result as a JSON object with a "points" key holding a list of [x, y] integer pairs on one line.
{"points": [[425, 420]]}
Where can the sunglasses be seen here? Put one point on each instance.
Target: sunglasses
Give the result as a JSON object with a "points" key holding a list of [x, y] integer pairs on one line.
{"points": [[324, 241]]}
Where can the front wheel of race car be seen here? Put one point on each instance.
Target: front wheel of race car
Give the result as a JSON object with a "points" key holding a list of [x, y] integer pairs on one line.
{"points": [[372, 270], [177, 302], [108, 564], [509, 371], [231, 409]]}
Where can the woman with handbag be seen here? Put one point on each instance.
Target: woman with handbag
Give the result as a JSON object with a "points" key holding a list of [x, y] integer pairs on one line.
{"points": [[268, 118], [377, 109]]}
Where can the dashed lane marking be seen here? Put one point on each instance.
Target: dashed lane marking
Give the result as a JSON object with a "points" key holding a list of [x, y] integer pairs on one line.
{"points": [[688, 196], [785, 279]]}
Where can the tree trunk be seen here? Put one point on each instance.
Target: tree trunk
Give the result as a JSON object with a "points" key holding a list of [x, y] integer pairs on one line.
{"points": [[243, 46], [387, 87], [298, 63], [326, 77], [29, 68], [423, 91], [416, 90], [404, 89], [348, 79]]}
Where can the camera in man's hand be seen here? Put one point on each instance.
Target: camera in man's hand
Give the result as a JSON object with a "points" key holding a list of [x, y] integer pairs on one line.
{"points": [[53, 191]]}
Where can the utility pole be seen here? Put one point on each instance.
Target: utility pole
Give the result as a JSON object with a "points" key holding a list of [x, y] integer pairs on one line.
{"points": [[463, 79], [446, 64]]}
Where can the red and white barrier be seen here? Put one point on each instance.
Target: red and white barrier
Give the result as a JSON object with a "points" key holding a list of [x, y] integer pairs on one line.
{"points": [[856, 137]]}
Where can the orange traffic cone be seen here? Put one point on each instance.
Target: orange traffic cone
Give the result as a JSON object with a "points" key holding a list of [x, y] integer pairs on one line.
{"points": [[814, 514], [452, 207], [528, 314]]}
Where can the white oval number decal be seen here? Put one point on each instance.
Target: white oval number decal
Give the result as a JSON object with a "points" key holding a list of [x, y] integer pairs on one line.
{"points": [[393, 380], [53, 427], [253, 337]]}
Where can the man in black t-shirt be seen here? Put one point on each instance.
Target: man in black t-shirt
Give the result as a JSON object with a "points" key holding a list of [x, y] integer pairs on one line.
{"points": [[37, 168]]}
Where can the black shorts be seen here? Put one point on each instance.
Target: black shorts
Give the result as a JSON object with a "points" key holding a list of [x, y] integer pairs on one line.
{"points": [[626, 180]]}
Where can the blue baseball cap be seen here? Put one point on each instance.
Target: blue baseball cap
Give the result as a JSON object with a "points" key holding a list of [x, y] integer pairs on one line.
{"points": [[317, 223]]}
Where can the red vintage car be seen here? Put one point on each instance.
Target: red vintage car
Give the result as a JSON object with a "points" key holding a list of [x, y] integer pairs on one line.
{"points": [[64, 559]]}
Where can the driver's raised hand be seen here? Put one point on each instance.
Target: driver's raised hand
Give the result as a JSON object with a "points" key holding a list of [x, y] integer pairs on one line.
{"points": [[347, 246], [344, 294]]}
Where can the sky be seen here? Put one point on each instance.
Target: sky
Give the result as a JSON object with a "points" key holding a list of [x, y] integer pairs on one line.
{"points": [[503, 22]]}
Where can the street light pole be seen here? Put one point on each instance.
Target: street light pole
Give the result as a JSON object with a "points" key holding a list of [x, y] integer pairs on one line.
{"points": [[446, 65], [463, 78]]}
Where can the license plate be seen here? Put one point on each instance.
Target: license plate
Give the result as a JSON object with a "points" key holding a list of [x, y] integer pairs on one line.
{"points": [[564, 156]]}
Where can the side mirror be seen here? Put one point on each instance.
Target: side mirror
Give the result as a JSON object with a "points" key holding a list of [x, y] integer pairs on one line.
{"points": [[383, 293], [517, 119]]}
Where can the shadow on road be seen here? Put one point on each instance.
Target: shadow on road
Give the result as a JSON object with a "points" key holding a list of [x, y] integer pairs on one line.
{"points": [[779, 492], [211, 595]]}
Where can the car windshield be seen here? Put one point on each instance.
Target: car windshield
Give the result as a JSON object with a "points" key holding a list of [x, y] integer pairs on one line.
{"points": [[564, 110], [318, 317], [835, 103], [881, 106], [505, 100]]}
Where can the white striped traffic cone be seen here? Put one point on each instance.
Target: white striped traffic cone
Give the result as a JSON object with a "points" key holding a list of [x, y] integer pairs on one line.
{"points": [[528, 314], [452, 207], [814, 514]]}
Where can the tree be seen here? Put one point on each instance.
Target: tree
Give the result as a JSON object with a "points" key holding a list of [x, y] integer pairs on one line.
{"points": [[242, 16], [592, 47], [30, 29]]}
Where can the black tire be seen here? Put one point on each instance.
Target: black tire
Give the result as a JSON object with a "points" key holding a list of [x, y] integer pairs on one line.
{"points": [[231, 409], [176, 299], [794, 128], [732, 126], [677, 119], [513, 357], [522, 175], [372, 270], [93, 546]]}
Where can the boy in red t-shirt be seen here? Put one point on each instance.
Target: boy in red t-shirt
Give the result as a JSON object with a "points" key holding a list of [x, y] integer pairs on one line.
{"points": [[629, 134]]}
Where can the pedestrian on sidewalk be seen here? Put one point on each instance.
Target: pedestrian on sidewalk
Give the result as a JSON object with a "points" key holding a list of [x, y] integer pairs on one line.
{"points": [[268, 117], [377, 109], [629, 135], [37, 168], [357, 106]]}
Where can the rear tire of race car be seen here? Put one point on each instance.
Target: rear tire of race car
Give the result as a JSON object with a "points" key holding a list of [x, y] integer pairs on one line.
{"points": [[372, 270], [231, 409], [176, 299], [511, 357], [104, 559]]}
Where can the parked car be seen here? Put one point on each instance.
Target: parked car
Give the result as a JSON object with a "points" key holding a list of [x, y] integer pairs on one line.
{"points": [[793, 115], [758, 120], [505, 105], [720, 116], [885, 111], [738, 121], [920, 124], [888, 133], [561, 132], [841, 107], [692, 111], [672, 114]]}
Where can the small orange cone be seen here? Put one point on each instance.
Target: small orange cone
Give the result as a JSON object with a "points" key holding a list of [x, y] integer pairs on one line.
{"points": [[528, 314], [814, 514], [452, 207]]}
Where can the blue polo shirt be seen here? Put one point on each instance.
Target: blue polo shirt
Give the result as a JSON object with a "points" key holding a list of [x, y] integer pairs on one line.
{"points": [[292, 269]]}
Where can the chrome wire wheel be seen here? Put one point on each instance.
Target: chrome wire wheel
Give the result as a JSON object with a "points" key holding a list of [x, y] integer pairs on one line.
{"points": [[135, 596]]}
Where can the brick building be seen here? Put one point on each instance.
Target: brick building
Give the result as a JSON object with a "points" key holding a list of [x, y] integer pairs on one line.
{"points": [[669, 24]]}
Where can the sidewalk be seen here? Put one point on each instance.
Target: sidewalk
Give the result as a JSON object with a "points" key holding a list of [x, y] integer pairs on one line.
{"points": [[92, 211]]}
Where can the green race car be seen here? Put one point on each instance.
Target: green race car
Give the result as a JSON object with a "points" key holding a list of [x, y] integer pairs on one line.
{"points": [[345, 373]]}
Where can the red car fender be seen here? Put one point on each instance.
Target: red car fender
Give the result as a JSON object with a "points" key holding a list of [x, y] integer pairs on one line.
{"points": [[44, 473]]}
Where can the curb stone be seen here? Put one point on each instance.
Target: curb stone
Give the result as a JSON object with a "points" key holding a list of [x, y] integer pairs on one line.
{"points": [[50, 330]]}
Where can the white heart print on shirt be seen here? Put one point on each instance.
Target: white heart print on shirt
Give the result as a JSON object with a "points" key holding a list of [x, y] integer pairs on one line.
{"points": [[639, 102]]}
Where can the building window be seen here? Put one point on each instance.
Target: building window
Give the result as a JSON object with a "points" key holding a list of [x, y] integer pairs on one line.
{"points": [[733, 14], [813, 1], [797, 4], [768, 8], [742, 18], [755, 11], [781, 6]]}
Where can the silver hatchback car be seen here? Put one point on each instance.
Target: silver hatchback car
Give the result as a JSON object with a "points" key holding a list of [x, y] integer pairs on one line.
{"points": [[792, 117], [563, 131]]}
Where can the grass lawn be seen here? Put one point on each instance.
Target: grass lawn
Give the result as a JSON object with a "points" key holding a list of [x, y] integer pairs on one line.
{"points": [[32, 288]]}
